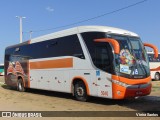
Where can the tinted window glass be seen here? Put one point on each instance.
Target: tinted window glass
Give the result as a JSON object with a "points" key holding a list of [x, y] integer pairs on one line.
{"points": [[152, 59], [103, 57], [101, 53], [64, 46]]}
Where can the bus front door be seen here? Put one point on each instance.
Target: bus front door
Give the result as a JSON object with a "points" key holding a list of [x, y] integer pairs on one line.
{"points": [[104, 84]]}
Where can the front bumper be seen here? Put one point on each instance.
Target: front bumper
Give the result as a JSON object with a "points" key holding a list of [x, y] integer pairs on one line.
{"points": [[120, 92]]}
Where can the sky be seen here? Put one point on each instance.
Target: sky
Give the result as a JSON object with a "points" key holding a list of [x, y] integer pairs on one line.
{"points": [[143, 19]]}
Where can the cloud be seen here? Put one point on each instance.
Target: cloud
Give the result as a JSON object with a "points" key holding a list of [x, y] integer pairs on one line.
{"points": [[49, 9]]}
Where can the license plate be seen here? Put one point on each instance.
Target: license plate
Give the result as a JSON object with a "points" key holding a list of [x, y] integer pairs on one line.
{"points": [[139, 93]]}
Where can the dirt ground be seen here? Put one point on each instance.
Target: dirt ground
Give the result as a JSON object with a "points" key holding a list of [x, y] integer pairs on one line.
{"points": [[38, 100]]}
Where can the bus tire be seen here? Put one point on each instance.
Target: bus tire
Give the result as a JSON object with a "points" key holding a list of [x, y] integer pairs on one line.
{"points": [[157, 76], [20, 85], [80, 91]]}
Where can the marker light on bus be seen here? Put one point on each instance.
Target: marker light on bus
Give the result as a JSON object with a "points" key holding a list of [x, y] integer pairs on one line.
{"points": [[119, 83]]}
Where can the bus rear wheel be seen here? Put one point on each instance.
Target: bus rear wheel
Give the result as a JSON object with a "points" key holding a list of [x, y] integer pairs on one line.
{"points": [[157, 76], [20, 85], [80, 91]]}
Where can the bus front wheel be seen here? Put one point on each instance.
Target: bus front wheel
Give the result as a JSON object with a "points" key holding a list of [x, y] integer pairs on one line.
{"points": [[157, 76], [80, 91], [20, 85]]}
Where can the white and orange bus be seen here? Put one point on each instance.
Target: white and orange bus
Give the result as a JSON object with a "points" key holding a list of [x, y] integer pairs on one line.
{"points": [[154, 65], [86, 61]]}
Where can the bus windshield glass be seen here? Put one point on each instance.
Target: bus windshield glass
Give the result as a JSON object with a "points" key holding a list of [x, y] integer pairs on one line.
{"points": [[132, 62]]}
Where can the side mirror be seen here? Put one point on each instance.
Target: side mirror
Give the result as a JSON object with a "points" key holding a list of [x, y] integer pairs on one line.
{"points": [[114, 43], [153, 47]]}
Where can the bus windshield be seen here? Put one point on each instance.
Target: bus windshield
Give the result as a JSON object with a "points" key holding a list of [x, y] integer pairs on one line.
{"points": [[132, 62]]}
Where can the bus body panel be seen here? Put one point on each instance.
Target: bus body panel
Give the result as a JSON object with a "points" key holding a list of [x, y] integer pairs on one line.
{"points": [[54, 80], [104, 84], [154, 64], [154, 68]]}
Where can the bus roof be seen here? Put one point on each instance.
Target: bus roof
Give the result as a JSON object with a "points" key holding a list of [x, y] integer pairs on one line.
{"points": [[82, 29], [75, 30]]}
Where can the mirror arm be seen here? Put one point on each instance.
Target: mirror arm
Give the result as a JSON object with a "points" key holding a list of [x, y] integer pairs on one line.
{"points": [[153, 47], [114, 43]]}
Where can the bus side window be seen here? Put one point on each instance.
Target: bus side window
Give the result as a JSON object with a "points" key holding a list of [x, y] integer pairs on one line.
{"points": [[52, 44], [103, 58], [77, 50]]}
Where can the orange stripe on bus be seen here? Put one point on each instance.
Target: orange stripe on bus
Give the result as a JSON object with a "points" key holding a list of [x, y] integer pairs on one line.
{"points": [[131, 81], [59, 63], [155, 69], [29, 41]]}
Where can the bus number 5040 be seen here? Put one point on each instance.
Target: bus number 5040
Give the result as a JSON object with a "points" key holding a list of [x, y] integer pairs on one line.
{"points": [[104, 93]]}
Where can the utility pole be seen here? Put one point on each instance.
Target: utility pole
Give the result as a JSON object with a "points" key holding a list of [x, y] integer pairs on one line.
{"points": [[21, 32], [30, 33]]}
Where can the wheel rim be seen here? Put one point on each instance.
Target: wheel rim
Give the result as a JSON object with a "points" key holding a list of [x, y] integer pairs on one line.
{"points": [[80, 91], [157, 77], [19, 86]]}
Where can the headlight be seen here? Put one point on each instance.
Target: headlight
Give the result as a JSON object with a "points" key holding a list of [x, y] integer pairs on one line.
{"points": [[120, 83]]}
